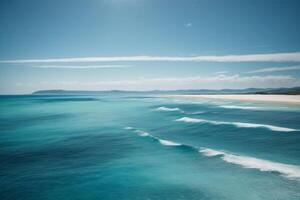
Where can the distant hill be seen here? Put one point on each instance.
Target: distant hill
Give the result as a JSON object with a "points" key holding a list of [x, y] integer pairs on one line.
{"points": [[291, 91], [295, 90]]}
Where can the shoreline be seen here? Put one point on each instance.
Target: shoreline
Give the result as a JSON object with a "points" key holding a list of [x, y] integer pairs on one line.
{"points": [[263, 98]]}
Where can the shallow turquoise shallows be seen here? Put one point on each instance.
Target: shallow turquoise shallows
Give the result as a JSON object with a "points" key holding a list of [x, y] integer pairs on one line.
{"points": [[147, 148]]}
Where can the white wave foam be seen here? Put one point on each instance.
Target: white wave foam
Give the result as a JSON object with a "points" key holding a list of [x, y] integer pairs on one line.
{"points": [[257, 108], [128, 128], [242, 107], [273, 128], [210, 152], [189, 120], [237, 124], [289, 171], [197, 112], [168, 143], [142, 133], [161, 141], [166, 109]]}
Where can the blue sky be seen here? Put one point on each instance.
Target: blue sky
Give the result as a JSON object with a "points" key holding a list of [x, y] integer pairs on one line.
{"points": [[148, 44]]}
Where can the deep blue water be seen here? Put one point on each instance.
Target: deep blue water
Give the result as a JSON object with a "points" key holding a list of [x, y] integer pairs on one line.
{"points": [[143, 147]]}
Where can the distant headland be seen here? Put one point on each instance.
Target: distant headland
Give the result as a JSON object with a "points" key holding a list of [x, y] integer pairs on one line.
{"points": [[286, 91]]}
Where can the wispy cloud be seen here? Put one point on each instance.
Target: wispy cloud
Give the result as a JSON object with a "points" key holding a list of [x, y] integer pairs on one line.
{"points": [[274, 57], [81, 66], [194, 82], [276, 69], [222, 72]]}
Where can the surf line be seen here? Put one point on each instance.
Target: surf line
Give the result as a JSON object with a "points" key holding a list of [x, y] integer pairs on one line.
{"points": [[164, 142], [236, 124], [291, 172]]}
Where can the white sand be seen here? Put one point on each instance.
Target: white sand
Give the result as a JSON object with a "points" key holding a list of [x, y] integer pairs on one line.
{"points": [[290, 99]]}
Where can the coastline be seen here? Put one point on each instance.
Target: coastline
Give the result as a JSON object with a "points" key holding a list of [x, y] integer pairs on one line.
{"points": [[287, 99]]}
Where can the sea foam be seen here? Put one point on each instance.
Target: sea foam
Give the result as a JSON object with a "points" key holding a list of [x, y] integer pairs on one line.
{"points": [[166, 109], [189, 120], [262, 108], [128, 128], [289, 171], [242, 107], [168, 143], [286, 170], [142, 133], [196, 112], [161, 141], [273, 128], [237, 124]]}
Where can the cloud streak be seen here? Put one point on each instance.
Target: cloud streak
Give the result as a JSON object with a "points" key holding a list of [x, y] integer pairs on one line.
{"points": [[81, 66], [194, 82], [274, 57], [276, 69], [221, 72]]}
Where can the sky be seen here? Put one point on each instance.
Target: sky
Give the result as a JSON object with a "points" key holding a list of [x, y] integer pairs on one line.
{"points": [[148, 44]]}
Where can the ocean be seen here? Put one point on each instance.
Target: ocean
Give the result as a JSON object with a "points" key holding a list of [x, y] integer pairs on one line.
{"points": [[144, 147]]}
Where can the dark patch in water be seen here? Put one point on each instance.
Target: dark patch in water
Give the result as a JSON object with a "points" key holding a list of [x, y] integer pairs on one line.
{"points": [[32, 172], [22, 121], [74, 152], [67, 99], [169, 191]]}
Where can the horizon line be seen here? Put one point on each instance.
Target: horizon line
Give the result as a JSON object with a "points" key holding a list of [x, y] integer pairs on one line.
{"points": [[159, 90]]}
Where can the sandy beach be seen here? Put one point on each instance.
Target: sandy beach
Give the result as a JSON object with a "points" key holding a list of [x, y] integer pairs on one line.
{"points": [[289, 99]]}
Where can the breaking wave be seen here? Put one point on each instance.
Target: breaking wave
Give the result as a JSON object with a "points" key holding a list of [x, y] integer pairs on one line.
{"points": [[161, 141], [168, 143], [188, 120], [289, 171], [286, 170], [142, 133], [242, 107], [197, 112], [261, 108], [237, 124], [166, 109], [128, 128]]}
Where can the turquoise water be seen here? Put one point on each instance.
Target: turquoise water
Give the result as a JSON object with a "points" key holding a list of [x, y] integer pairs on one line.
{"points": [[143, 147]]}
